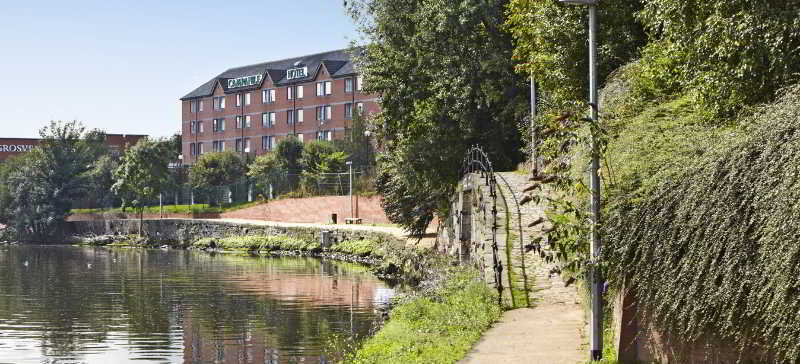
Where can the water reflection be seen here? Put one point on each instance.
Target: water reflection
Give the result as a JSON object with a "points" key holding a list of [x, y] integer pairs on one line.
{"points": [[95, 305]]}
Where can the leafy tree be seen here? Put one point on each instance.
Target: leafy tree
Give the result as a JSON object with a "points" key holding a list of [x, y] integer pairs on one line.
{"points": [[50, 178], [143, 173], [734, 53], [358, 143], [289, 152], [266, 170], [321, 157], [217, 169], [551, 44], [446, 79]]}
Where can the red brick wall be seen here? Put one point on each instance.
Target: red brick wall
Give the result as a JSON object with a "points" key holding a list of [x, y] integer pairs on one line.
{"points": [[117, 142]]}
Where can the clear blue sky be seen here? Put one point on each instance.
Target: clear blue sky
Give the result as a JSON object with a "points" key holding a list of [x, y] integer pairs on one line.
{"points": [[121, 66]]}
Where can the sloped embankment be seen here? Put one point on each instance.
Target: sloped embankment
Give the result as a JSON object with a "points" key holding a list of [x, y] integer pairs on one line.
{"points": [[714, 251]]}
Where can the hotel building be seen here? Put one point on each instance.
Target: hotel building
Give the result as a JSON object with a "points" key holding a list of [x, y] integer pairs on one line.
{"points": [[249, 109]]}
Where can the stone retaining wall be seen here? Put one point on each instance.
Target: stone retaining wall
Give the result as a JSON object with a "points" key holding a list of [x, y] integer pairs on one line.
{"points": [[183, 232]]}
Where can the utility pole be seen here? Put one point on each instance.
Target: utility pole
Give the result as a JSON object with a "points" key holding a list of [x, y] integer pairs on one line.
{"points": [[595, 280]]}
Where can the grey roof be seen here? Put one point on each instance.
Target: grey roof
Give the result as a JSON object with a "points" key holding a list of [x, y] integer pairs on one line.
{"points": [[338, 63]]}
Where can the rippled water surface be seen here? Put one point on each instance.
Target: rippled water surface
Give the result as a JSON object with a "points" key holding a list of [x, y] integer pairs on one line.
{"points": [[62, 304]]}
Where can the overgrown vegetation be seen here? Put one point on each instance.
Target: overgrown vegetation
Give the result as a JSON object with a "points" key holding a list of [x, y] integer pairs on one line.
{"points": [[439, 325], [698, 177]]}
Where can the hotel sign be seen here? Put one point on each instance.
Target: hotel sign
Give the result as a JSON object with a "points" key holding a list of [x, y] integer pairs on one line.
{"points": [[245, 81], [300, 72], [15, 148]]}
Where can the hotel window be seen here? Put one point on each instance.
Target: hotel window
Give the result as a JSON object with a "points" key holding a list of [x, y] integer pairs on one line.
{"points": [[359, 82], [348, 85], [360, 108], [219, 103], [201, 105], [199, 148], [238, 99], [348, 111], [200, 127], [218, 146], [300, 137], [192, 106], [239, 121], [192, 128], [324, 88], [192, 150], [268, 119], [299, 115], [268, 96], [247, 98], [289, 92], [324, 112], [299, 92], [324, 135], [246, 145], [218, 125], [267, 142]]}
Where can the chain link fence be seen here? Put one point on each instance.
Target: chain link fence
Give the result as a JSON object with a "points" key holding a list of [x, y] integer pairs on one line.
{"points": [[185, 197]]}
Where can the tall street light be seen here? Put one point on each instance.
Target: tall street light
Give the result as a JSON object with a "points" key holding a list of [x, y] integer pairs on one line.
{"points": [[596, 321]]}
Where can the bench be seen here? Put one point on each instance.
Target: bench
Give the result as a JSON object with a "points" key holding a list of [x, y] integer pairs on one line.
{"points": [[352, 220]]}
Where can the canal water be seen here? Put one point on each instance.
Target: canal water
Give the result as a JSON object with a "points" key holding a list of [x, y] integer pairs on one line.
{"points": [[64, 304]]}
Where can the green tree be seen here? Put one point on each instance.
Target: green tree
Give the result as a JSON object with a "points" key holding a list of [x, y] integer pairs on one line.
{"points": [[319, 158], [143, 173], [734, 53], [266, 170], [446, 79], [358, 143], [48, 180], [217, 169], [289, 152], [550, 42]]}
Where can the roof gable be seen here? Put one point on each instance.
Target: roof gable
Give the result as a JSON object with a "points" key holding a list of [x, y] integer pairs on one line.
{"points": [[337, 63]]}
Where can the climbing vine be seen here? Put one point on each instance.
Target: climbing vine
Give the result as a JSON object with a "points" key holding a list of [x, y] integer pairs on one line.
{"points": [[716, 251]]}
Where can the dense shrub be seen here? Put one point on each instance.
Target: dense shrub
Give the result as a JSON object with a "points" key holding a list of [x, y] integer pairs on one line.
{"points": [[714, 250]]}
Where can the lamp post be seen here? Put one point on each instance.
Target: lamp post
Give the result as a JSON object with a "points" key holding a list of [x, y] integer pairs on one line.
{"points": [[350, 165], [596, 285]]}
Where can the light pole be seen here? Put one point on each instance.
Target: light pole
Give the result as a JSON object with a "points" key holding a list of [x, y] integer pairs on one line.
{"points": [[533, 127], [595, 281], [350, 165]]}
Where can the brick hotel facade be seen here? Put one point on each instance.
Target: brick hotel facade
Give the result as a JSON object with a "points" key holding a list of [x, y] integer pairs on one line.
{"points": [[249, 109]]}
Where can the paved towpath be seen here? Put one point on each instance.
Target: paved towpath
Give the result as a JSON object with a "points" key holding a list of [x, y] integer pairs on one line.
{"points": [[551, 331]]}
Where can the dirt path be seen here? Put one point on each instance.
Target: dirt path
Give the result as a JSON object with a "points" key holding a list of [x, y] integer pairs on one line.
{"points": [[550, 332]]}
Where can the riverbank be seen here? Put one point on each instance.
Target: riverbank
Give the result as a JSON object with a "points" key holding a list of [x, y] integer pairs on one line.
{"points": [[437, 321]]}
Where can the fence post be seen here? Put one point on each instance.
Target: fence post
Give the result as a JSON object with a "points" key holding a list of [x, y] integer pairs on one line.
{"points": [[161, 205]]}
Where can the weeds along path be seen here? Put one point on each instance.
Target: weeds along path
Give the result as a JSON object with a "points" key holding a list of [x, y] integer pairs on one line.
{"points": [[550, 330]]}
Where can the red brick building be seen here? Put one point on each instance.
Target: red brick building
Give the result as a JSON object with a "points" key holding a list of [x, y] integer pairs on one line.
{"points": [[249, 109], [10, 147]]}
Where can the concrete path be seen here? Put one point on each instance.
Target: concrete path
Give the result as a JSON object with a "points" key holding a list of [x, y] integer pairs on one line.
{"points": [[552, 330]]}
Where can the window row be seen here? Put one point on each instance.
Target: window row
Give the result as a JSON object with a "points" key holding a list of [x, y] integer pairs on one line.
{"points": [[269, 119], [268, 143], [324, 88]]}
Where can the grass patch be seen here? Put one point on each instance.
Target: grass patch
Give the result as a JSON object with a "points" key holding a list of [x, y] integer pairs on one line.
{"points": [[258, 243], [438, 327]]}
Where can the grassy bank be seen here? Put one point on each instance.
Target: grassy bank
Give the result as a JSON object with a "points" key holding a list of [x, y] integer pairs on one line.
{"points": [[438, 325]]}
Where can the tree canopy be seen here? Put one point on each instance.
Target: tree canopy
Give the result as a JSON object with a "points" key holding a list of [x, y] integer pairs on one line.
{"points": [[217, 169], [446, 79]]}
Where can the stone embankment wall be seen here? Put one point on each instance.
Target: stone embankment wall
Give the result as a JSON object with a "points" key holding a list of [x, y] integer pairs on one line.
{"points": [[183, 232]]}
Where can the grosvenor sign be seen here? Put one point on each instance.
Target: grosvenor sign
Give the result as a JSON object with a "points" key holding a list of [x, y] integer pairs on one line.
{"points": [[15, 148]]}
